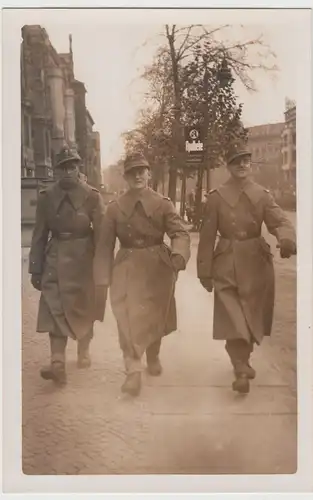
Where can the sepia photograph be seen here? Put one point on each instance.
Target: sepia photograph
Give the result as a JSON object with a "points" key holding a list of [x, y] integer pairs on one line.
{"points": [[159, 195]]}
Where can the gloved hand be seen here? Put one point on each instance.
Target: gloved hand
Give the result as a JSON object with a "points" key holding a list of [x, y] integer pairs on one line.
{"points": [[36, 281], [101, 293], [178, 262], [207, 283], [287, 248]]}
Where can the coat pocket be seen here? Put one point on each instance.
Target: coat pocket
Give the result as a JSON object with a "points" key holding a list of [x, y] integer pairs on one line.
{"points": [[165, 255], [121, 255], [221, 247], [266, 248]]}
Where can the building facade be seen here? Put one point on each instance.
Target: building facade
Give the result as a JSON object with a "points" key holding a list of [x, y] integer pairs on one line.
{"points": [[289, 145], [264, 143], [53, 113]]}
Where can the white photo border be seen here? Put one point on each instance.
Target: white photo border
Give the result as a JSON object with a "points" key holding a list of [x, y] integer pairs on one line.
{"points": [[13, 479]]}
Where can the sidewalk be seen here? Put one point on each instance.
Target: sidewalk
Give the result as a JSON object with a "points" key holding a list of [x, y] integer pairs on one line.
{"points": [[188, 421]]}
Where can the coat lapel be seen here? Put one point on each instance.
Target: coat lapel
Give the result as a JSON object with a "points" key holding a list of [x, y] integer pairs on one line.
{"points": [[77, 196], [148, 198], [231, 192]]}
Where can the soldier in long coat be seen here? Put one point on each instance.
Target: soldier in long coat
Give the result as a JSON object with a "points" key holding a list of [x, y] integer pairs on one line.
{"points": [[240, 267], [63, 264], [142, 276]]}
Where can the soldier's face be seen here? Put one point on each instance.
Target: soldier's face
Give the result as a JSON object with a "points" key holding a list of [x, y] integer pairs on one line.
{"points": [[240, 168], [68, 173], [137, 178]]}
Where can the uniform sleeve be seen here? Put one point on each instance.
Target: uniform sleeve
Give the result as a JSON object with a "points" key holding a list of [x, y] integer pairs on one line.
{"points": [[97, 215], [39, 238], [105, 248], [277, 222], [208, 233], [176, 231]]}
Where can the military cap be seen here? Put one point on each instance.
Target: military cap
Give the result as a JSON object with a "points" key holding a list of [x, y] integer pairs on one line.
{"points": [[134, 161], [67, 154], [236, 152]]}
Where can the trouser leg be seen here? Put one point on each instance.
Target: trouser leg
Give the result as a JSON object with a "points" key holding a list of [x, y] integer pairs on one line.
{"points": [[239, 352], [57, 347], [153, 361], [153, 351], [83, 356], [133, 366]]}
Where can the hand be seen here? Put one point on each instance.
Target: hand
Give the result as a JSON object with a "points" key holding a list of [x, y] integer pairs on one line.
{"points": [[36, 281], [101, 293], [207, 283], [287, 248], [178, 262]]}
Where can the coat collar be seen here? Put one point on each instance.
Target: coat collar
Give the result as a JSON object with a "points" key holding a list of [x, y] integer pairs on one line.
{"points": [[230, 191], [77, 195], [149, 199]]}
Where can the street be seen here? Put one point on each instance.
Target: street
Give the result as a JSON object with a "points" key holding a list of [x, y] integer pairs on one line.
{"points": [[188, 421]]}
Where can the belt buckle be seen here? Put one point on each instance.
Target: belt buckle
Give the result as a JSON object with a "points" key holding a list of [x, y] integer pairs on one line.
{"points": [[241, 235], [139, 242]]}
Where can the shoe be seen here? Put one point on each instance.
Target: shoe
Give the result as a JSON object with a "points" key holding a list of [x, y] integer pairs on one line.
{"points": [[55, 372], [132, 384], [83, 361], [154, 367], [241, 384], [248, 370]]}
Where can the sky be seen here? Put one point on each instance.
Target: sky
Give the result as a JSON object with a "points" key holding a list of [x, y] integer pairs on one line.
{"points": [[110, 54]]}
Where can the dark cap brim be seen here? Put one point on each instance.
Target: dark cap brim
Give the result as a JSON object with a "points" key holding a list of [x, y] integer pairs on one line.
{"points": [[68, 160], [138, 165], [238, 155]]}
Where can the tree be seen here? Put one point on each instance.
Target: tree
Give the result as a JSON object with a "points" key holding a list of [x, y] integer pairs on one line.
{"points": [[181, 44], [184, 85]]}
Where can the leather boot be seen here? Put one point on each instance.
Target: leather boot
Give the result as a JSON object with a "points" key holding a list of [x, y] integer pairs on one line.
{"points": [[154, 366], [240, 351], [132, 384], [241, 384], [83, 356], [56, 370]]}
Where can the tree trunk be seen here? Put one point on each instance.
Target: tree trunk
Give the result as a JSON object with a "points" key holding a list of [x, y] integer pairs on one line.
{"points": [[177, 108]]}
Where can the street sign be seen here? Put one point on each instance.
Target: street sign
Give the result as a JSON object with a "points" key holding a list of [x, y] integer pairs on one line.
{"points": [[194, 145]]}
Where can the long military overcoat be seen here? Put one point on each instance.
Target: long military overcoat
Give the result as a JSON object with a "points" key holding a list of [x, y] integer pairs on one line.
{"points": [[63, 252], [141, 275], [241, 264]]}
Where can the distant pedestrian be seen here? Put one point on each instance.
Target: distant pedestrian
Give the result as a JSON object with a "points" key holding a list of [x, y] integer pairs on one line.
{"points": [[143, 274], [240, 268], [63, 264]]}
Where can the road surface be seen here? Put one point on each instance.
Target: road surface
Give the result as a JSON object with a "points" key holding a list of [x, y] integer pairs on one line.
{"points": [[188, 421]]}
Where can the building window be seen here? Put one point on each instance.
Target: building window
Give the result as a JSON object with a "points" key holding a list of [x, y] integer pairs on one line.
{"points": [[294, 156], [29, 172], [294, 138], [285, 158]]}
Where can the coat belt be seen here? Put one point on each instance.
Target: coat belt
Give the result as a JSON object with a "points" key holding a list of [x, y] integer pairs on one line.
{"points": [[70, 236], [241, 237], [141, 243]]}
